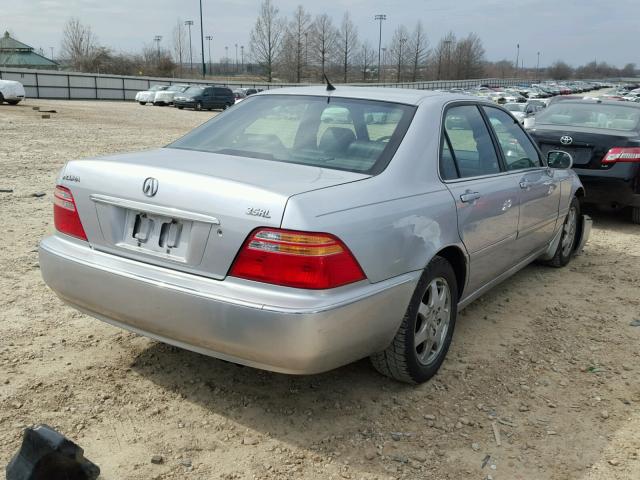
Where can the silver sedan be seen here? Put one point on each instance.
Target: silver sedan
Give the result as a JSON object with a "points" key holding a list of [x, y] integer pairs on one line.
{"points": [[305, 228]]}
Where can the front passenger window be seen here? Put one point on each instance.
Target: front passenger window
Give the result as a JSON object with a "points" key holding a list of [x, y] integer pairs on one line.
{"points": [[472, 146]]}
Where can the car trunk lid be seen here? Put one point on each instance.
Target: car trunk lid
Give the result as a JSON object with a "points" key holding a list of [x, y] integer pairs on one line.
{"points": [[186, 210], [587, 146]]}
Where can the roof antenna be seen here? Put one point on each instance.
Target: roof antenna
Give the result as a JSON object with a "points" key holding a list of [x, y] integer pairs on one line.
{"points": [[330, 87]]}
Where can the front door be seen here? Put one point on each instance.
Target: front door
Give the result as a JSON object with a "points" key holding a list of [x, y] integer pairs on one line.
{"points": [[486, 199], [539, 185]]}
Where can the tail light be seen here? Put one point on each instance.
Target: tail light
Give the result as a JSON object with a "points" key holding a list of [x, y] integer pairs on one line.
{"points": [[296, 259], [622, 154], [65, 213]]}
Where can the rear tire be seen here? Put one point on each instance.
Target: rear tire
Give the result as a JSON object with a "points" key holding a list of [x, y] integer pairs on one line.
{"points": [[199, 106], [180, 108], [142, 103], [635, 215], [425, 334], [567, 245], [13, 102]]}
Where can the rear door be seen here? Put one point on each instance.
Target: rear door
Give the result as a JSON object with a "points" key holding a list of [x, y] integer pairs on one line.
{"points": [[539, 185], [486, 199]]}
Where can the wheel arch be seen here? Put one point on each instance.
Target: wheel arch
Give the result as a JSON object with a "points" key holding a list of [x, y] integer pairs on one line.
{"points": [[458, 260]]}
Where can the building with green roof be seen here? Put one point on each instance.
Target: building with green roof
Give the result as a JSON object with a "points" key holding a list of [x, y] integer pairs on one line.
{"points": [[19, 55]]}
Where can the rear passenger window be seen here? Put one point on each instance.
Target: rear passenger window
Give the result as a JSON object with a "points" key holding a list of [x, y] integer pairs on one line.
{"points": [[473, 150], [448, 169], [517, 149]]}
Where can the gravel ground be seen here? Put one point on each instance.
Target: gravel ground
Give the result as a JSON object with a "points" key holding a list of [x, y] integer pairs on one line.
{"points": [[550, 358]]}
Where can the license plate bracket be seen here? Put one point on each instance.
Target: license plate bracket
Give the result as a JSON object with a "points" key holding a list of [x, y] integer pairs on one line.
{"points": [[157, 235]]}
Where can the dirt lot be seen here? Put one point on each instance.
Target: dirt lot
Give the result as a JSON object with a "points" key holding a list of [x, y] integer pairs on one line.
{"points": [[550, 357]]}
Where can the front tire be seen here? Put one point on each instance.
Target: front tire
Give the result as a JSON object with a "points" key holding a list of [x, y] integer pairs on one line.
{"points": [[199, 106], [142, 103], [423, 339], [567, 245], [635, 215]]}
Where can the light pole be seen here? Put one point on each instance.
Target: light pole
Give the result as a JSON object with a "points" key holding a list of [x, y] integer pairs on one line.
{"points": [[538, 67], [51, 52], [517, 58], [204, 68], [380, 17], [209, 38], [226, 59], [448, 44], [242, 58], [236, 58], [188, 23], [157, 39]]}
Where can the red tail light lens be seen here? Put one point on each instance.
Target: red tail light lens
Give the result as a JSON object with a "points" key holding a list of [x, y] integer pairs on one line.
{"points": [[65, 213], [296, 259], [622, 154]]}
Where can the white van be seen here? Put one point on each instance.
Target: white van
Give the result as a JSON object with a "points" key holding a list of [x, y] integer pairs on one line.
{"points": [[11, 92]]}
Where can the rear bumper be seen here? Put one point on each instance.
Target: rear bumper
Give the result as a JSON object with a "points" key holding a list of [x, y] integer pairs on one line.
{"points": [[273, 328], [611, 191]]}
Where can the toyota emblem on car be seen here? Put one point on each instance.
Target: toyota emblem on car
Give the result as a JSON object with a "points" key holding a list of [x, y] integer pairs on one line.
{"points": [[150, 186], [566, 140]]}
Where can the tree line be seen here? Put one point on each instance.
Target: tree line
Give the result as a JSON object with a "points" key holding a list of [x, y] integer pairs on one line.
{"points": [[304, 48]]}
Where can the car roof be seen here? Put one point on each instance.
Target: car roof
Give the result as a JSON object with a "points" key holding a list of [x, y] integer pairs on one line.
{"points": [[596, 101], [396, 95]]}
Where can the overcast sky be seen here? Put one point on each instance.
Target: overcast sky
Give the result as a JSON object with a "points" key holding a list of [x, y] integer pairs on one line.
{"points": [[577, 31]]}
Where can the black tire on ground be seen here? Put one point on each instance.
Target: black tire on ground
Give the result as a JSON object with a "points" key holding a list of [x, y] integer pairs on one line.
{"points": [[142, 103], [567, 245], [407, 362], [199, 106], [635, 215], [180, 108], [1, 99], [12, 102]]}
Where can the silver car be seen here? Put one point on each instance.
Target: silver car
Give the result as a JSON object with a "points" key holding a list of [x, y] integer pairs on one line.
{"points": [[304, 229]]}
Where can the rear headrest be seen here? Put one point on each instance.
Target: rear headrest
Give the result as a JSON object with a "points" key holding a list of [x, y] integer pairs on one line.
{"points": [[336, 139]]}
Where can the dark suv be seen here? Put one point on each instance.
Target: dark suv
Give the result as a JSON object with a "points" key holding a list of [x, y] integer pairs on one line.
{"points": [[205, 97]]}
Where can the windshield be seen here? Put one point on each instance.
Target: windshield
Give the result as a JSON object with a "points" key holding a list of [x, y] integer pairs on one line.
{"points": [[594, 115], [155, 88], [177, 88], [194, 90], [338, 133]]}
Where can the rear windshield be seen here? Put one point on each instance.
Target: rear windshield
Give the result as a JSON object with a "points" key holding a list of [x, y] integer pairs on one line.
{"points": [[594, 115], [330, 132]]}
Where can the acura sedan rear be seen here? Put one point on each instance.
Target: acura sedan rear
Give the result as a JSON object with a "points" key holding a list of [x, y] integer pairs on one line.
{"points": [[304, 229]]}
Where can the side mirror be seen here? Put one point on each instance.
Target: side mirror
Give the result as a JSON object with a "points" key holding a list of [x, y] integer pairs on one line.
{"points": [[559, 159]]}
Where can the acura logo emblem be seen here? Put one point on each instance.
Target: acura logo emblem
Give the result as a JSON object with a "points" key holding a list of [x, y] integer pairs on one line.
{"points": [[150, 186], [566, 140]]}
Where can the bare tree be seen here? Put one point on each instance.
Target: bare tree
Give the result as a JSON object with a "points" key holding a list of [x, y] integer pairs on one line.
{"points": [[560, 70], [266, 38], [469, 57], [323, 40], [180, 43], [442, 54], [399, 50], [297, 34], [367, 55], [419, 48], [79, 44], [348, 43]]}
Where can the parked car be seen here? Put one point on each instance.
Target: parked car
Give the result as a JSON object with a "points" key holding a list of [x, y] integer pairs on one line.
{"points": [[165, 97], [604, 139], [148, 96], [11, 92], [204, 97], [272, 239], [517, 110]]}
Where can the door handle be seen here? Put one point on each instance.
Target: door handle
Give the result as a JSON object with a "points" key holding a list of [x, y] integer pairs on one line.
{"points": [[469, 197]]}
